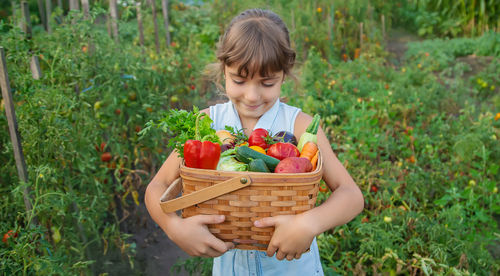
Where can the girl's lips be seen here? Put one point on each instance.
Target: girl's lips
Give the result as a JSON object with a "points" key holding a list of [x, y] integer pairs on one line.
{"points": [[252, 107]]}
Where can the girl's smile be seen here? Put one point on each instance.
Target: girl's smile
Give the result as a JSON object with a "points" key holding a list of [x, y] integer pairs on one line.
{"points": [[252, 96]]}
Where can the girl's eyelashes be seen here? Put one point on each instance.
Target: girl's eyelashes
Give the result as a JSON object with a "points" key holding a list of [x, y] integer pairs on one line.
{"points": [[238, 81], [265, 84], [268, 84]]}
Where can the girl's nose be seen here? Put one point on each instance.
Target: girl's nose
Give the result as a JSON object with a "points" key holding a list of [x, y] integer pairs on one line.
{"points": [[252, 94]]}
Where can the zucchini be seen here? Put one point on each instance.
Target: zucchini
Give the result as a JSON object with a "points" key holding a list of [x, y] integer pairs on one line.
{"points": [[246, 155], [258, 165], [311, 133]]}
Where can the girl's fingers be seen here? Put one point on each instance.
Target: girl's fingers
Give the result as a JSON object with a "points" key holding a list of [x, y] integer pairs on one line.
{"points": [[229, 245], [290, 257], [210, 219], [271, 249], [280, 255], [298, 255], [213, 253], [218, 245]]}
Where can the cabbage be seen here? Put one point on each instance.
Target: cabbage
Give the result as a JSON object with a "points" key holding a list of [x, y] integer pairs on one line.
{"points": [[229, 163]]}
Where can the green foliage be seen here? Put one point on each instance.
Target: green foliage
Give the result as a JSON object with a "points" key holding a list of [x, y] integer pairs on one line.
{"points": [[423, 150], [194, 265], [182, 125], [420, 140], [451, 18]]}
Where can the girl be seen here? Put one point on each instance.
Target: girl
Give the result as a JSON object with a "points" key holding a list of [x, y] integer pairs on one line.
{"points": [[254, 58]]}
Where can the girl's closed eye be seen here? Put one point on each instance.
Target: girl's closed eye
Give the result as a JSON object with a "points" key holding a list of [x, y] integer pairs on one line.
{"points": [[268, 84], [238, 81]]}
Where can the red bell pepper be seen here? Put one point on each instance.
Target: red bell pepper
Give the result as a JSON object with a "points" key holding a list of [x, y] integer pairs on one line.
{"points": [[201, 154]]}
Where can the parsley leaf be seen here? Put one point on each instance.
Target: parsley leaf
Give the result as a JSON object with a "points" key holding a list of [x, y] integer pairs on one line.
{"points": [[181, 126]]}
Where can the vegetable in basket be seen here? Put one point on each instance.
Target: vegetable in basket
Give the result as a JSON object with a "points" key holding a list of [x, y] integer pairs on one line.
{"points": [[310, 151], [294, 165], [228, 162], [181, 125], [259, 137], [285, 137], [200, 153], [246, 155], [230, 137], [281, 151], [310, 134]]}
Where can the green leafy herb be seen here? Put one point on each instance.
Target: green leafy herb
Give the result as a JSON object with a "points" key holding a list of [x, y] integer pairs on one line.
{"points": [[181, 126]]}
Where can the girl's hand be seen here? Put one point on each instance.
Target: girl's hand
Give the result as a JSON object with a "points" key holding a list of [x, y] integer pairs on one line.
{"points": [[192, 235], [292, 236]]}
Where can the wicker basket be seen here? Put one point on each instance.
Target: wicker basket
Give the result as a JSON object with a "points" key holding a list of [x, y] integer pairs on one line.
{"points": [[243, 197]]}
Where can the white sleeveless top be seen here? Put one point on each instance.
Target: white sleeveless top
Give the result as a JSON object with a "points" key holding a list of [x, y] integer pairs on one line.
{"points": [[252, 262], [280, 117]]}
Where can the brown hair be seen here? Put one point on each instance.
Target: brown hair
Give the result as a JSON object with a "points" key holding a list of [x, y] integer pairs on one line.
{"points": [[258, 42]]}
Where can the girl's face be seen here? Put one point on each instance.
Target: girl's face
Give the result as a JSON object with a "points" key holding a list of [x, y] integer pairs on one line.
{"points": [[252, 97]]}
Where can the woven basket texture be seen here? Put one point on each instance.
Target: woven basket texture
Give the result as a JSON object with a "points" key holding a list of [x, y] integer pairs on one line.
{"points": [[269, 194]]}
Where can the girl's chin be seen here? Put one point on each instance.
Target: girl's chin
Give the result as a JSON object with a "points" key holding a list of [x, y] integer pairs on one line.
{"points": [[252, 111]]}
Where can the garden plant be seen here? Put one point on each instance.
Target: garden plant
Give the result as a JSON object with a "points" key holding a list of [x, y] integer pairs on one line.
{"points": [[421, 136]]}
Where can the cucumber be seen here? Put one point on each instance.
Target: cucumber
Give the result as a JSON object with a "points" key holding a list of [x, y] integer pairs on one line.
{"points": [[258, 165], [246, 155]]}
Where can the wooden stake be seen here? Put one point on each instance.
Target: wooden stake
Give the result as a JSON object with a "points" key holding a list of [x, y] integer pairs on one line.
{"points": [[157, 42], [108, 25], [85, 8], [73, 5], [14, 133], [41, 11], [139, 25], [14, 15], [48, 13], [36, 72], [113, 9], [26, 21], [383, 26], [164, 5]]}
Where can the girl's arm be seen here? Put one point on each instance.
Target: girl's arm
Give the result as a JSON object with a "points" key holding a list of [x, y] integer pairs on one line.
{"points": [[294, 234], [190, 234]]}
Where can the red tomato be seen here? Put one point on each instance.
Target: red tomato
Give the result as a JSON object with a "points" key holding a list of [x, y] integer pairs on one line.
{"points": [[9, 234], [283, 150], [258, 138], [106, 157]]}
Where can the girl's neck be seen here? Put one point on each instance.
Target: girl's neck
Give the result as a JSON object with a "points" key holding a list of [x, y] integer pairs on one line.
{"points": [[248, 124]]}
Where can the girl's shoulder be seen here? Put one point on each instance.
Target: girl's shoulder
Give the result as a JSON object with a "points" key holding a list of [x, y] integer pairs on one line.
{"points": [[302, 121], [218, 107], [206, 111]]}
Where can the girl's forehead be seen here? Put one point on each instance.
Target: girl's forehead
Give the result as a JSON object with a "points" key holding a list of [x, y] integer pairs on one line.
{"points": [[237, 70]]}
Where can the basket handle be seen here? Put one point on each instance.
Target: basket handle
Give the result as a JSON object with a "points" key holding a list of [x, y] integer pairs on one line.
{"points": [[172, 205]]}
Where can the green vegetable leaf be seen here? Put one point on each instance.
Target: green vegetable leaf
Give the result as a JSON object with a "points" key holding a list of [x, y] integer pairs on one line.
{"points": [[181, 126]]}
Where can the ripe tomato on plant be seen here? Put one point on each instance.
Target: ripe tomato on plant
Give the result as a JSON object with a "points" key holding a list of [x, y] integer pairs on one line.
{"points": [[106, 157], [8, 235], [258, 138]]}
